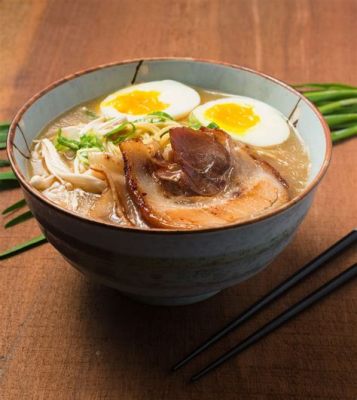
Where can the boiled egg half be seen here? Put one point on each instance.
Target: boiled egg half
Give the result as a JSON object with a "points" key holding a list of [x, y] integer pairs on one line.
{"points": [[245, 119], [133, 102]]}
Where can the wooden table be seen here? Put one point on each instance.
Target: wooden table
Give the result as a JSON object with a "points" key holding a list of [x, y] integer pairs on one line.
{"points": [[62, 337]]}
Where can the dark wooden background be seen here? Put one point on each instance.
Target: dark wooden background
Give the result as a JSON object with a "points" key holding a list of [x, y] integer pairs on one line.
{"points": [[62, 337]]}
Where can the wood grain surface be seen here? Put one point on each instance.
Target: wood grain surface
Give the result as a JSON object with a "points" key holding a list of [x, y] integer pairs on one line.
{"points": [[62, 337]]}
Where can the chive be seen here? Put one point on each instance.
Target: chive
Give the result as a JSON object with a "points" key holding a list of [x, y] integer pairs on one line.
{"points": [[15, 206], [212, 125], [20, 218], [5, 124], [331, 95], [343, 133], [162, 114], [337, 105], [36, 241], [4, 163], [327, 86], [336, 120], [2, 145], [7, 176]]}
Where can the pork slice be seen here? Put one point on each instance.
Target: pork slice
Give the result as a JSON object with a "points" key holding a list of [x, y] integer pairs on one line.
{"points": [[113, 169], [254, 189]]}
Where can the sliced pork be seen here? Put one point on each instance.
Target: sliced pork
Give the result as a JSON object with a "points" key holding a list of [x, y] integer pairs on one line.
{"points": [[213, 181]]}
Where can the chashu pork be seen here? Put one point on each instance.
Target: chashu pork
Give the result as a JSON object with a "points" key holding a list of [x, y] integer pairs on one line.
{"points": [[213, 181]]}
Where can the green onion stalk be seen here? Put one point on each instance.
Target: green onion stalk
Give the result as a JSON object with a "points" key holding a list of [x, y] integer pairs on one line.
{"points": [[337, 103]]}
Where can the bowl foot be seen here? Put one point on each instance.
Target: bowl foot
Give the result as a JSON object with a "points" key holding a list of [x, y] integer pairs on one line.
{"points": [[170, 301]]}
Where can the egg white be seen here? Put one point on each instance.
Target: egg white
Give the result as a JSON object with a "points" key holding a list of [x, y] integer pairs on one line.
{"points": [[181, 99], [272, 129]]}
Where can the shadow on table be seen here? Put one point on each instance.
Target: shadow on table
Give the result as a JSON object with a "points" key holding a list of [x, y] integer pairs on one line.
{"points": [[136, 344]]}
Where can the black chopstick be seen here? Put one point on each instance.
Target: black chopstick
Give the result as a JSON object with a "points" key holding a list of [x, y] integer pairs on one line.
{"points": [[281, 319], [293, 280]]}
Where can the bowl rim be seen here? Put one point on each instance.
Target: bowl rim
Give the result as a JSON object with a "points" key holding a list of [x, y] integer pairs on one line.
{"points": [[25, 185]]}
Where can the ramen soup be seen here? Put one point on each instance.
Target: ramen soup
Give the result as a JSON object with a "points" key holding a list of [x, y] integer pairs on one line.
{"points": [[165, 155]]}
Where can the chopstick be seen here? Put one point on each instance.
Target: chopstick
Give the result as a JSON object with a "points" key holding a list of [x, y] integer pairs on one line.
{"points": [[279, 290], [281, 319]]}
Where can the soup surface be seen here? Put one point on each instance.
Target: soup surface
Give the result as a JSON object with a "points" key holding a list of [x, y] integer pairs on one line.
{"points": [[164, 155]]}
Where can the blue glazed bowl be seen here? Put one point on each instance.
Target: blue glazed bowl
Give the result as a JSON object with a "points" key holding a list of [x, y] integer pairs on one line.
{"points": [[158, 266]]}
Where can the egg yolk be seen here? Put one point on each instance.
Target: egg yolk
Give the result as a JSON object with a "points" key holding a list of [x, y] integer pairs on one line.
{"points": [[232, 117], [137, 102]]}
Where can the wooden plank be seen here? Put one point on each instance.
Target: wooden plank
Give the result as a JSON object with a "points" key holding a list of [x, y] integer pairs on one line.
{"points": [[64, 337]]}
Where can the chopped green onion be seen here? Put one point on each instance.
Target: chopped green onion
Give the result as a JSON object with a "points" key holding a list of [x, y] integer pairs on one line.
{"points": [[193, 122], [4, 163], [162, 115], [15, 206], [20, 218], [23, 247], [90, 140], [62, 143], [120, 128], [121, 138], [212, 125]]}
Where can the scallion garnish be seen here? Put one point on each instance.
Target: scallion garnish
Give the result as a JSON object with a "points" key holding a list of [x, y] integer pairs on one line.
{"points": [[193, 122], [163, 116], [87, 141], [121, 138], [90, 140], [121, 127], [63, 144], [212, 125]]}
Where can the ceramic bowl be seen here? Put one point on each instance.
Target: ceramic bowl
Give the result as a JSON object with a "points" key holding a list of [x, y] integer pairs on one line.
{"points": [[157, 266]]}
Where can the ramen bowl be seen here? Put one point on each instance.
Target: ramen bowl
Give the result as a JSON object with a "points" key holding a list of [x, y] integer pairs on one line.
{"points": [[157, 266]]}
